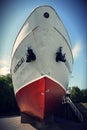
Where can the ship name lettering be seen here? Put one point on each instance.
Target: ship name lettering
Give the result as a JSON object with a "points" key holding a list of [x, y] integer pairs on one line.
{"points": [[20, 62]]}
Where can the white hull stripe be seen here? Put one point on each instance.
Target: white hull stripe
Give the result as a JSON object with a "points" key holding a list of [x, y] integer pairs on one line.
{"points": [[38, 79]]}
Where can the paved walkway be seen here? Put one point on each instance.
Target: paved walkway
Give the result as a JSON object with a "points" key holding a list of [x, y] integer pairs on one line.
{"points": [[14, 123]]}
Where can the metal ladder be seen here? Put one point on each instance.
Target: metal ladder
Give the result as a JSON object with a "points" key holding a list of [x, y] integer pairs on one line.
{"points": [[67, 100]]}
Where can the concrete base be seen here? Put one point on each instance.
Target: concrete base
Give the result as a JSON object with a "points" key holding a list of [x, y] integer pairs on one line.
{"points": [[37, 123]]}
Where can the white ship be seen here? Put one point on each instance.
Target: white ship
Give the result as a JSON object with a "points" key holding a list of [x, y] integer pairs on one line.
{"points": [[41, 63]]}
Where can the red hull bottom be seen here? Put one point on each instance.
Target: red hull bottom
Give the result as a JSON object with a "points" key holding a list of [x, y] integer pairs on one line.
{"points": [[41, 97]]}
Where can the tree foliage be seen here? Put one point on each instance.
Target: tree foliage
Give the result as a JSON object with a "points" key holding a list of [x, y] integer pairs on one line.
{"points": [[78, 95], [7, 97]]}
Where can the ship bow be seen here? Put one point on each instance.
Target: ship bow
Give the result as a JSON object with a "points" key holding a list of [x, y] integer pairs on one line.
{"points": [[40, 97]]}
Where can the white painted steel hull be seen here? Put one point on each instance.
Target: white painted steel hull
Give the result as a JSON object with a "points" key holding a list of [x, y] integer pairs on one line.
{"points": [[44, 36]]}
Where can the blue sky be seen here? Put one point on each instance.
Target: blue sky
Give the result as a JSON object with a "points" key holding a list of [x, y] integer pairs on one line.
{"points": [[13, 14]]}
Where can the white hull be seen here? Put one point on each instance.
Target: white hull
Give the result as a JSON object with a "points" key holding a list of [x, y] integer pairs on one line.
{"points": [[44, 36]]}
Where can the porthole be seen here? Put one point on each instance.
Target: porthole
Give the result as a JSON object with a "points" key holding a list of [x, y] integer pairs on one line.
{"points": [[46, 15]]}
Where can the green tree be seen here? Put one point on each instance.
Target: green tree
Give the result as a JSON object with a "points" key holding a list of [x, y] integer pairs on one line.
{"points": [[7, 97], [76, 94], [84, 95]]}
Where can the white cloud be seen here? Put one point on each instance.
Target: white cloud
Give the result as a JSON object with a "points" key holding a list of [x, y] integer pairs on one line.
{"points": [[4, 70], [76, 50], [5, 65]]}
